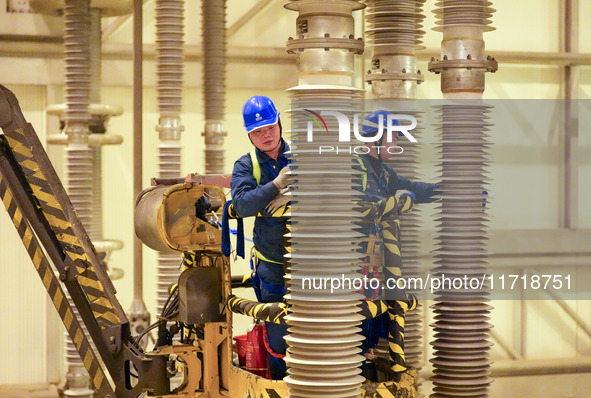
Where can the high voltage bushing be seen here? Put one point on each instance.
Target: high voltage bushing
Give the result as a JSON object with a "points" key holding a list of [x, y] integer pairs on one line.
{"points": [[461, 347], [169, 41], [461, 362], [464, 61], [214, 82], [325, 40], [323, 341], [393, 31], [169, 44], [324, 358], [325, 25]]}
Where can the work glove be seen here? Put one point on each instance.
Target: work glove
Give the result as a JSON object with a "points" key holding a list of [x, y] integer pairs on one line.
{"points": [[283, 179], [282, 198], [404, 192]]}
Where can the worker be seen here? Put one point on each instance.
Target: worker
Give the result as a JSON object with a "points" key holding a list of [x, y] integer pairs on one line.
{"points": [[379, 181], [257, 179]]}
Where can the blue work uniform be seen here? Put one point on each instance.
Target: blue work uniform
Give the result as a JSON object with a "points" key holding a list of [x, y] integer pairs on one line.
{"points": [[381, 181], [249, 199]]}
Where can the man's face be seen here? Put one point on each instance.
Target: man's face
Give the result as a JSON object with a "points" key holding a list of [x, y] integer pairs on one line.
{"points": [[266, 138]]}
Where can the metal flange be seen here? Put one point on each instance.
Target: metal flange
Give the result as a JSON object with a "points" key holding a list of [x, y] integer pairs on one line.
{"points": [[97, 112], [326, 42], [401, 76], [93, 109], [489, 64]]}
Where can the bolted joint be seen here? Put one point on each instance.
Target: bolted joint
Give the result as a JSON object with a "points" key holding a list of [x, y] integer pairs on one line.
{"points": [[214, 132], [170, 128]]}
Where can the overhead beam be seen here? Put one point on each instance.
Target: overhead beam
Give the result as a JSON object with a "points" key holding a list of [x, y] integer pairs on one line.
{"points": [[15, 46], [247, 16]]}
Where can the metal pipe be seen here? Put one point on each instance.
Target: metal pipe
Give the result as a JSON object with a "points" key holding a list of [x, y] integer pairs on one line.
{"points": [[139, 317], [569, 42], [214, 82], [138, 126], [536, 367], [523, 315]]}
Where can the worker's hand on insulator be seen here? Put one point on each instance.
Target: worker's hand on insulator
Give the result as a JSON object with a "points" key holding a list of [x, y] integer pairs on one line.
{"points": [[282, 198], [404, 192], [283, 179]]}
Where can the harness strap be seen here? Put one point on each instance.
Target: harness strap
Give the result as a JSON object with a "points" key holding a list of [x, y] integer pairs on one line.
{"points": [[260, 256], [256, 167], [226, 249]]}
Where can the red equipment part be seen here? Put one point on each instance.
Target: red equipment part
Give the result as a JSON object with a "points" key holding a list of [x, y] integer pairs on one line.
{"points": [[256, 353]]}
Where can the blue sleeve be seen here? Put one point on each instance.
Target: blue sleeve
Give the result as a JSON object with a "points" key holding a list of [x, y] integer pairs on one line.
{"points": [[248, 197], [424, 191]]}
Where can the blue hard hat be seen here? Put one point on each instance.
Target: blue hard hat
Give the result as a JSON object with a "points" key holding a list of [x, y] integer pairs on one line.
{"points": [[259, 111], [372, 122]]}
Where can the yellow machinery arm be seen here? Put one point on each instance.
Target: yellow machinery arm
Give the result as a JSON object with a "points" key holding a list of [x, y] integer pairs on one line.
{"points": [[64, 257]]}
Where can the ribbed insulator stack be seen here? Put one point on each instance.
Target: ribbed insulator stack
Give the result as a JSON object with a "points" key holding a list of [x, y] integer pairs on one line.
{"points": [[95, 228], [79, 181], [77, 88], [463, 61], [323, 341], [461, 347], [169, 44], [393, 31], [406, 164], [167, 269], [95, 53], [169, 41], [82, 115], [79, 176], [214, 82], [325, 43], [461, 344], [95, 135]]}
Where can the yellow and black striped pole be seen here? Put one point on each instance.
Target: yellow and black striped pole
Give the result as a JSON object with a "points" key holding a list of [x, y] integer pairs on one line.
{"points": [[386, 213], [269, 312], [276, 312], [56, 293], [56, 207]]}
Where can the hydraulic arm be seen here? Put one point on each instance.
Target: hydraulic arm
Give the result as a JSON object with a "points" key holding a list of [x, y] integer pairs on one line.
{"points": [[64, 256]]}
